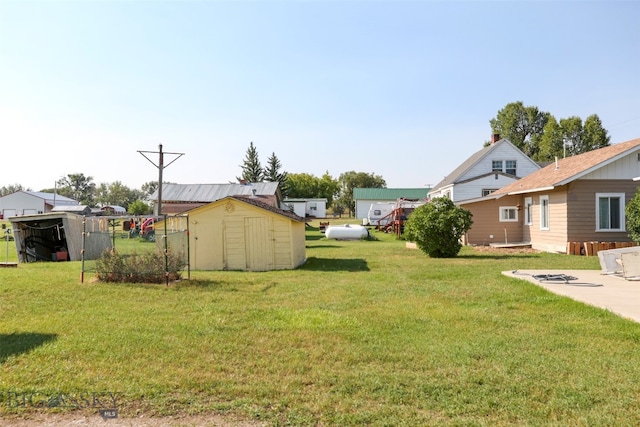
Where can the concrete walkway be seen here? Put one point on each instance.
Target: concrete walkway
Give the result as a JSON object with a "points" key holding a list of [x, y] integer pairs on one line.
{"points": [[610, 292]]}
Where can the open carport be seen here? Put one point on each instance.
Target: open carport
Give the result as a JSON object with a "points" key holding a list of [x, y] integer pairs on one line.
{"points": [[58, 237]]}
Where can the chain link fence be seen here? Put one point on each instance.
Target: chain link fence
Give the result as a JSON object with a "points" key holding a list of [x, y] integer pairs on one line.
{"points": [[135, 238]]}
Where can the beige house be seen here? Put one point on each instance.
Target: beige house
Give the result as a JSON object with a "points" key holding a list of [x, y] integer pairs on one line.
{"points": [[244, 233], [576, 199]]}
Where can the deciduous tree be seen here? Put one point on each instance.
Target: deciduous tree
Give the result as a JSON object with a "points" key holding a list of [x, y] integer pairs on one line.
{"points": [[10, 189], [521, 125], [352, 179], [78, 187]]}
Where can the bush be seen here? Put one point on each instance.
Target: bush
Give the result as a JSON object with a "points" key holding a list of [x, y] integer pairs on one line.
{"points": [[437, 227], [134, 268], [633, 217]]}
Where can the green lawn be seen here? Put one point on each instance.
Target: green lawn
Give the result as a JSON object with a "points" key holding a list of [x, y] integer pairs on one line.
{"points": [[365, 333]]}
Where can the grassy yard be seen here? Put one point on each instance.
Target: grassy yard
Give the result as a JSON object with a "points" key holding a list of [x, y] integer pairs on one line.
{"points": [[365, 333]]}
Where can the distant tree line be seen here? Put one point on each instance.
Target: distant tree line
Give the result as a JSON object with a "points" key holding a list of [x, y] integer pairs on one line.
{"points": [[338, 192], [80, 187]]}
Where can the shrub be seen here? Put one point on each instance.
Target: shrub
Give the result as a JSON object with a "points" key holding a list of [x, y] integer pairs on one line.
{"points": [[135, 268], [633, 217], [437, 227]]}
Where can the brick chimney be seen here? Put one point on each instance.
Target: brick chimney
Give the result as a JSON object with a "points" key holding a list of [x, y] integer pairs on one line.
{"points": [[495, 138]]}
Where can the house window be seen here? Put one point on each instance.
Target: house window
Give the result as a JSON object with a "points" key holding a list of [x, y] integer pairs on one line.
{"points": [[528, 210], [510, 167], [487, 191], [544, 212], [508, 214], [610, 212], [496, 166]]}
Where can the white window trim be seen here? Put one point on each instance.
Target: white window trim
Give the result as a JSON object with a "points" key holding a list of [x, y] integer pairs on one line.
{"points": [[622, 211], [542, 213], [528, 210], [508, 208]]}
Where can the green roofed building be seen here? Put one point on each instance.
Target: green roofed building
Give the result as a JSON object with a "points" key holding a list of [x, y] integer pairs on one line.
{"points": [[365, 197]]}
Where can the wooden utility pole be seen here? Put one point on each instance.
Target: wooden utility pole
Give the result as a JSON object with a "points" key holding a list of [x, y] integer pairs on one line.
{"points": [[160, 167]]}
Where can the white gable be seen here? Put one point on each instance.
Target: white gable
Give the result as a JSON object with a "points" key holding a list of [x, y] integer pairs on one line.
{"points": [[502, 153]]}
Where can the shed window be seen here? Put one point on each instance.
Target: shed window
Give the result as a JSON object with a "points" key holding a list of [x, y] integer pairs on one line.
{"points": [[610, 211], [508, 214]]}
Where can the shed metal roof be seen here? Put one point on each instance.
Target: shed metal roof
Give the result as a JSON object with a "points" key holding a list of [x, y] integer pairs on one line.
{"points": [[202, 193], [390, 193]]}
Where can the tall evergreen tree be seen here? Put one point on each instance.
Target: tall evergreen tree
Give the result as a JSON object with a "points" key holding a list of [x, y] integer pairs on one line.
{"points": [[251, 168], [272, 173]]}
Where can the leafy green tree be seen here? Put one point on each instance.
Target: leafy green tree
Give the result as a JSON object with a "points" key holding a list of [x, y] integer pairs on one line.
{"points": [[149, 187], [139, 207], [551, 142], [571, 137], [540, 136], [521, 125], [303, 186], [10, 189], [117, 194], [271, 173], [594, 134], [437, 227], [308, 186], [251, 168], [328, 188], [78, 187], [350, 180], [632, 211]]}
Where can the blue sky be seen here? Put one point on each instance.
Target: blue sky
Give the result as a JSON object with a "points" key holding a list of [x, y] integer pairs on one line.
{"points": [[402, 89]]}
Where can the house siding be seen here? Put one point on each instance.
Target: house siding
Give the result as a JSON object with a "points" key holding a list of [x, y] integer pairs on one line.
{"points": [[555, 238], [473, 189], [524, 165], [487, 227], [582, 209]]}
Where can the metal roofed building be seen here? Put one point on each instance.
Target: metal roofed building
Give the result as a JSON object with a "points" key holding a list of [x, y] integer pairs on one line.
{"points": [[178, 198], [31, 203], [365, 197]]}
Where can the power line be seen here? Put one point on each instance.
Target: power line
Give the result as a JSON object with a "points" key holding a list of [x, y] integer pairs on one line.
{"points": [[161, 166]]}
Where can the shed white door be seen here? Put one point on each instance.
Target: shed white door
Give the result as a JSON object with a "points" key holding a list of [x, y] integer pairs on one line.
{"points": [[258, 244]]}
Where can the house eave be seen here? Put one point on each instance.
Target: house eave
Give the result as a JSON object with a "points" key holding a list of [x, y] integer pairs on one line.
{"points": [[532, 190]]}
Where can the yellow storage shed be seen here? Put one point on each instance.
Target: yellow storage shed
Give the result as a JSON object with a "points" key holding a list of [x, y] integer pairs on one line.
{"points": [[244, 233]]}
